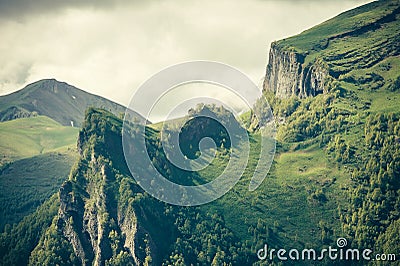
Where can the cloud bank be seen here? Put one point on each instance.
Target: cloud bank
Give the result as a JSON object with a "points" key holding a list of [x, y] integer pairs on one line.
{"points": [[110, 47]]}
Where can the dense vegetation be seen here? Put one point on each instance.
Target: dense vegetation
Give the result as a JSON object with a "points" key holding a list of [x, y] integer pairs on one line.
{"points": [[356, 122], [374, 215], [27, 183], [17, 242], [227, 231]]}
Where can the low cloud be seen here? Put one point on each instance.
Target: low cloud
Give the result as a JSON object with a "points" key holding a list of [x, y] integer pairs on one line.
{"points": [[18, 9], [110, 47]]}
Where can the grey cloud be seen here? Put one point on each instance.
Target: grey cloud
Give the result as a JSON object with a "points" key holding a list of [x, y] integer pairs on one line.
{"points": [[20, 9], [17, 9], [23, 73], [312, 1], [17, 74], [110, 48]]}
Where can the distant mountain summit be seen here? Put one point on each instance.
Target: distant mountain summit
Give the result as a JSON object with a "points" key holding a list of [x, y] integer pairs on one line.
{"points": [[60, 101]]}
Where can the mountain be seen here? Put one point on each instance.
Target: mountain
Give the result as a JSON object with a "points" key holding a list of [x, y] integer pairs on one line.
{"points": [[104, 217], [38, 149], [60, 101], [335, 173], [337, 84], [46, 110], [360, 47]]}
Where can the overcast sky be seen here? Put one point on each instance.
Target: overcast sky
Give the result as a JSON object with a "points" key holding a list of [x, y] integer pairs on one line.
{"points": [[110, 47]]}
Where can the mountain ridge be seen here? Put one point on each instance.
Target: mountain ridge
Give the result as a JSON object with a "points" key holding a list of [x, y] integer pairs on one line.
{"points": [[309, 63], [105, 217], [60, 101], [335, 174]]}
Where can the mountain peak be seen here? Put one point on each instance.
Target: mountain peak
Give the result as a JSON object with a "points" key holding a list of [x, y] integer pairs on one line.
{"points": [[58, 100]]}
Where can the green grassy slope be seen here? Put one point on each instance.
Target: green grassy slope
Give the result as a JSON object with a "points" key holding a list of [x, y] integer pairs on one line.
{"points": [[356, 122], [360, 48], [348, 22], [25, 184], [301, 192], [58, 100], [32, 136], [36, 156]]}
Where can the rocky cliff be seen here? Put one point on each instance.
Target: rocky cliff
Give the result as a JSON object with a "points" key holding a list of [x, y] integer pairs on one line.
{"points": [[288, 75], [350, 48], [94, 217]]}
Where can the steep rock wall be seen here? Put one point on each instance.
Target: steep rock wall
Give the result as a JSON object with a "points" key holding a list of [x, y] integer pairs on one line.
{"points": [[287, 75], [97, 212]]}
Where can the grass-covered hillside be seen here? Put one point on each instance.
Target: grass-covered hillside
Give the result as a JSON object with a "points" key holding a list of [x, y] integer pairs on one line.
{"points": [[37, 155], [356, 120], [335, 172], [360, 47], [27, 137], [296, 206]]}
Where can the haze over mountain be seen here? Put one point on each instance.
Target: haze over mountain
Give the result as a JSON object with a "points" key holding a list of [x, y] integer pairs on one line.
{"points": [[60, 101], [122, 42]]}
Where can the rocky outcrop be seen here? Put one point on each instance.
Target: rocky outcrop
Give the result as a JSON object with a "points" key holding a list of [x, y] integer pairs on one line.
{"points": [[15, 112], [287, 74], [70, 213], [137, 238], [306, 73], [101, 225]]}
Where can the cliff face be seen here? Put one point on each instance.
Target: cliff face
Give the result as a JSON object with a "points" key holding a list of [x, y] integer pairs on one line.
{"points": [[94, 215], [346, 48], [287, 75]]}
